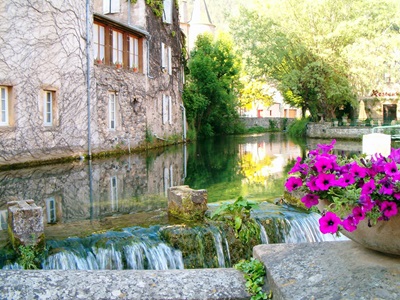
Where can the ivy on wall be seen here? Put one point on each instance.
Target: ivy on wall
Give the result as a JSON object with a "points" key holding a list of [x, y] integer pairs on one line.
{"points": [[157, 6]]}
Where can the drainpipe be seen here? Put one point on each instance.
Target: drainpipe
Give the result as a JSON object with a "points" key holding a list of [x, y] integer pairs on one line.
{"points": [[88, 76], [184, 121]]}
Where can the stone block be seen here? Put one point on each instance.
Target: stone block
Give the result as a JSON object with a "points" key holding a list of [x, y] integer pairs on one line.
{"points": [[25, 223], [186, 203]]}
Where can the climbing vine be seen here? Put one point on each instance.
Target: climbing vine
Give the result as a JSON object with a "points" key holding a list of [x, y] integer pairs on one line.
{"points": [[157, 6]]}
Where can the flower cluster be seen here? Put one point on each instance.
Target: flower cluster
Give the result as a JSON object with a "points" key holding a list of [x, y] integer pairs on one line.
{"points": [[356, 188]]}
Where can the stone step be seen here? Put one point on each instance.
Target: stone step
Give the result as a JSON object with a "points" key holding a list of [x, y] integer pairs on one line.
{"points": [[329, 270]]}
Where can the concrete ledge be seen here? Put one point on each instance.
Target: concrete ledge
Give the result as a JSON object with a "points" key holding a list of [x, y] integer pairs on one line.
{"points": [[329, 270], [127, 284]]}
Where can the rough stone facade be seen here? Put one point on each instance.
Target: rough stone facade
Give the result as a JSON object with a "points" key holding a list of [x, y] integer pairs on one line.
{"points": [[280, 123], [43, 79], [328, 131]]}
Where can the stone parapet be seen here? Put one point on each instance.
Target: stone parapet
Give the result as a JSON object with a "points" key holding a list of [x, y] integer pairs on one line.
{"points": [[127, 284], [327, 130], [329, 270]]}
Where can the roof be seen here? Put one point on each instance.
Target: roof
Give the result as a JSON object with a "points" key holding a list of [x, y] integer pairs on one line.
{"points": [[135, 29]]}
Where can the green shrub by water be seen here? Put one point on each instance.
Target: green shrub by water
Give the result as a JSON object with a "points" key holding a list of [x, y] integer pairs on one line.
{"points": [[298, 128]]}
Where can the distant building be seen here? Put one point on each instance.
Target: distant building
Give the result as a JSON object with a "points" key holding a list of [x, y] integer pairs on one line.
{"points": [[50, 107], [196, 22], [279, 109]]}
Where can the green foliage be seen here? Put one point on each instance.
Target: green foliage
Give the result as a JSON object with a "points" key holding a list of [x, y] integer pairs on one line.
{"points": [[254, 274], [298, 128], [237, 215], [28, 257], [210, 91], [254, 91], [157, 7], [149, 136], [323, 53]]}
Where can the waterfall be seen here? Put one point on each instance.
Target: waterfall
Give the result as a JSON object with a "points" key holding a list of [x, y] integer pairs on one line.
{"points": [[263, 233], [218, 246], [133, 248]]}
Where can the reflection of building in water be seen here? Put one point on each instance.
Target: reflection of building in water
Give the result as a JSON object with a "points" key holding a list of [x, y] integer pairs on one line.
{"points": [[67, 193], [266, 158], [3, 219]]}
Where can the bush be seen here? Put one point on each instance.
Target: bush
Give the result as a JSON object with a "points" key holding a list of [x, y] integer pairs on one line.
{"points": [[298, 128]]}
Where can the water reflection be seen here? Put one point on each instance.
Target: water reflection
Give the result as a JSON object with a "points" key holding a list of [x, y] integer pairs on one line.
{"points": [[131, 190]]}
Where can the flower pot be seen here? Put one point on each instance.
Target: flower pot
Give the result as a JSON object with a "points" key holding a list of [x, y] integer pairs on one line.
{"points": [[382, 237]]}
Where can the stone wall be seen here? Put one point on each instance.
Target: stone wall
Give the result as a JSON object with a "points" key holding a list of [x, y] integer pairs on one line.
{"points": [[44, 50], [328, 131], [280, 123]]}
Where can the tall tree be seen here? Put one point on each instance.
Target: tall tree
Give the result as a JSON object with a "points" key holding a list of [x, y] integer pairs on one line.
{"points": [[211, 88], [320, 50]]}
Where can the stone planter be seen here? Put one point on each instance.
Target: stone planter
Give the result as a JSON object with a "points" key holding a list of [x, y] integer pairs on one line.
{"points": [[382, 237]]}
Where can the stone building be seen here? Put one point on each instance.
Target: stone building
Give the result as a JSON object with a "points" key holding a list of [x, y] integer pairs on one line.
{"points": [[50, 108]]}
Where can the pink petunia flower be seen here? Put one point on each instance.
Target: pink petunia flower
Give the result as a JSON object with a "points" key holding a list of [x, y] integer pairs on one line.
{"points": [[325, 181], [388, 209], [324, 164], [350, 224], [310, 200], [293, 183], [329, 223]]}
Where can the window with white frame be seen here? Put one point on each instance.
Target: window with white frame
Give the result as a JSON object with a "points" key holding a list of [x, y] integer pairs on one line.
{"points": [[167, 109], [99, 42], [111, 6], [114, 193], [117, 47], [112, 110], [51, 210], [48, 108], [167, 12], [4, 106], [133, 52], [166, 59]]}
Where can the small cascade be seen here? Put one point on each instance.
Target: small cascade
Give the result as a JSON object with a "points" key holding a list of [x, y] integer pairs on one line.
{"points": [[218, 246], [263, 233], [134, 248]]}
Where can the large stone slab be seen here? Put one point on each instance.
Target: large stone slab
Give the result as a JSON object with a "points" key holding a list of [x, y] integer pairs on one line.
{"points": [[127, 284], [186, 203], [329, 270]]}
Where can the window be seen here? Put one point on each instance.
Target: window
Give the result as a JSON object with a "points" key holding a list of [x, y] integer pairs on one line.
{"points": [[51, 210], [99, 42], [48, 108], [112, 105], [167, 13], [133, 52], [167, 109], [4, 103], [110, 6], [166, 59], [114, 193], [117, 47], [113, 45]]}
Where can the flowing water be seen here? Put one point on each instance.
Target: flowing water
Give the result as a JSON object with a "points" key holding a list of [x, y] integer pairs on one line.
{"points": [[111, 213]]}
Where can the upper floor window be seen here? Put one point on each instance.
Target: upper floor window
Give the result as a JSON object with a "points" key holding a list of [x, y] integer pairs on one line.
{"points": [[4, 105], [99, 42], [166, 59], [48, 108], [111, 6], [114, 46], [167, 13], [117, 47], [133, 53]]}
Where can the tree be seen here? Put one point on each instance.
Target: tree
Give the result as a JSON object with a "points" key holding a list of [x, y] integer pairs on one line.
{"points": [[210, 94], [320, 51]]}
